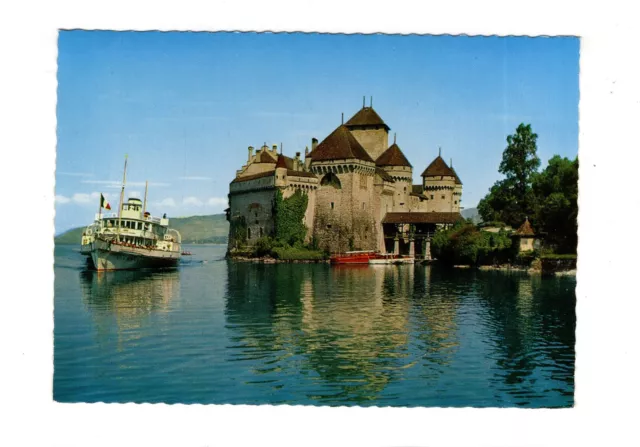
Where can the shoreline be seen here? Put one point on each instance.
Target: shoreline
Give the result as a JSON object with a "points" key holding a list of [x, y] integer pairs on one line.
{"points": [[270, 260]]}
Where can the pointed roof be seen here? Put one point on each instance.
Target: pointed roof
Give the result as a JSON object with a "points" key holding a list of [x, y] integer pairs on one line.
{"points": [[339, 145], [281, 163], [265, 157], [366, 116], [393, 157], [458, 181], [438, 167], [525, 229]]}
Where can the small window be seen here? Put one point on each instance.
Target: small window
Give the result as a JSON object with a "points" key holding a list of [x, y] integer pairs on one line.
{"points": [[248, 233], [443, 197], [328, 227], [260, 231], [332, 205], [455, 202], [431, 196], [405, 189], [364, 206]]}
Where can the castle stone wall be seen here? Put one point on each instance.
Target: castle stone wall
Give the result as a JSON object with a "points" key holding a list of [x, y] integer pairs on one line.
{"points": [[257, 209]]}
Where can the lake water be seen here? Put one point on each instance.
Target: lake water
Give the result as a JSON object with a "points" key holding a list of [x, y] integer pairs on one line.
{"points": [[219, 332]]}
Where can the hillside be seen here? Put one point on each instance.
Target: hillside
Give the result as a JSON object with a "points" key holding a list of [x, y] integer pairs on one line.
{"points": [[213, 229], [471, 213]]}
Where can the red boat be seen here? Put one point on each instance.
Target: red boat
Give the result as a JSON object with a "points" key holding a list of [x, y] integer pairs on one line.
{"points": [[354, 257]]}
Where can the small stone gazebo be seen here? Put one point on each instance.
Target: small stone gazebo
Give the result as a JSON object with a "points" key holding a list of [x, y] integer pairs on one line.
{"points": [[525, 237]]}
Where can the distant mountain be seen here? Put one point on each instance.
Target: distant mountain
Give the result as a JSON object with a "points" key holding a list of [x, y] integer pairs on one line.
{"points": [[471, 213], [213, 229]]}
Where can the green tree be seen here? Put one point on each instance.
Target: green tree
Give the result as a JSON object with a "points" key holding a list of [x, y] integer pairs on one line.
{"points": [[511, 200], [556, 193]]}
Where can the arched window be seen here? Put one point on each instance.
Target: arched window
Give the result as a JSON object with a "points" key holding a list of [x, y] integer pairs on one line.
{"points": [[331, 180], [248, 233]]}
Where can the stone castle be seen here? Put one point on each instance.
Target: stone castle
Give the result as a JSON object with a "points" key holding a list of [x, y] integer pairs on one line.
{"points": [[360, 192]]}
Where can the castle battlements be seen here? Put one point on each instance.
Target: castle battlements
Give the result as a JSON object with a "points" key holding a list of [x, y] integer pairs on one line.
{"points": [[360, 190]]}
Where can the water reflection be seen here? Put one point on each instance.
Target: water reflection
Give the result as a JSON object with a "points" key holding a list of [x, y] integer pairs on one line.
{"points": [[435, 314], [531, 325], [347, 326], [369, 334], [127, 298]]}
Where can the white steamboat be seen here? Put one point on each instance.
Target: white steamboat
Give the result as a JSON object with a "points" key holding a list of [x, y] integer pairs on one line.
{"points": [[131, 239]]}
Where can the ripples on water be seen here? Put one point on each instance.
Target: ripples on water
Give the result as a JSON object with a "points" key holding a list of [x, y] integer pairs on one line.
{"points": [[219, 332]]}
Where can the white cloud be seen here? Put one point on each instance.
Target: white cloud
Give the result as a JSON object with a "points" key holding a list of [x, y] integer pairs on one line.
{"points": [[168, 202], [118, 184], [195, 177], [80, 197], [62, 199], [74, 174], [192, 201], [217, 201]]}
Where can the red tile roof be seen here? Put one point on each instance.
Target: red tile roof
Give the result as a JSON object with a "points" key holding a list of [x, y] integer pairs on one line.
{"points": [[253, 176], [393, 157], [525, 229], [438, 167], [340, 145], [366, 117], [265, 157], [429, 217], [282, 162]]}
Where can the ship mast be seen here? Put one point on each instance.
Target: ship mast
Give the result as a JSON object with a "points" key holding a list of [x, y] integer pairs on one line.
{"points": [[124, 181], [144, 205]]}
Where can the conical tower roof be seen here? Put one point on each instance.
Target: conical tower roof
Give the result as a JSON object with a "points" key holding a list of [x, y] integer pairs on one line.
{"points": [[438, 167], [393, 157], [525, 229], [366, 116], [339, 145], [282, 162]]}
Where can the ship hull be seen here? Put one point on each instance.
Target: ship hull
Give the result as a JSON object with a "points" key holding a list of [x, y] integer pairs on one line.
{"points": [[85, 250], [354, 257], [113, 256]]}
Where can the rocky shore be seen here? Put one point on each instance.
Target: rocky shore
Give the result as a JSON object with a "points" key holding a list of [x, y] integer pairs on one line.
{"points": [[271, 260], [536, 270]]}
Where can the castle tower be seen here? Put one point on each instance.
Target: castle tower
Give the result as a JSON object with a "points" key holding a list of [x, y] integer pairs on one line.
{"points": [[281, 172], [394, 162], [370, 130], [440, 187], [457, 191], [343, 211]]}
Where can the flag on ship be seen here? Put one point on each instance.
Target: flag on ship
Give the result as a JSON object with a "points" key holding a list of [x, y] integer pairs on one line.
{"points": [[104, 203]]}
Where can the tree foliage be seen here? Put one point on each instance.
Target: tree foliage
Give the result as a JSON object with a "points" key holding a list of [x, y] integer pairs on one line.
{"points": [[556, 193], [289, 215], [549, 198], [238, 230], [511, 200], [464, 244]]}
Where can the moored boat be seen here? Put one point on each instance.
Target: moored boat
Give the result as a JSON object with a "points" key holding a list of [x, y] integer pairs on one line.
{"points": [[134, 239], [353, 257], [391, 259]]}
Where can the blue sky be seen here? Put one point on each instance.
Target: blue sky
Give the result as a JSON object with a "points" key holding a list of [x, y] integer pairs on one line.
{"points": [[185, 106]]}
